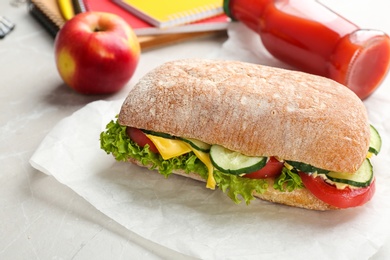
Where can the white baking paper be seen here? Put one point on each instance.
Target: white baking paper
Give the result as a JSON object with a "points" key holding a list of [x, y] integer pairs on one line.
{"points": [[181, 214]]}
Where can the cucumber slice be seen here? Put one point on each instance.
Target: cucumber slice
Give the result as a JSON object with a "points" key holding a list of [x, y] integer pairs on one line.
{"points": [[164, 135], [198, 145], [303, 167], [361, 178], [231, 162], [375, 141]]}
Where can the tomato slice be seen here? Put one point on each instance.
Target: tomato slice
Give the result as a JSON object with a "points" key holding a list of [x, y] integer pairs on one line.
{"points": [[272, 169], [140, 138], [341, 198]]}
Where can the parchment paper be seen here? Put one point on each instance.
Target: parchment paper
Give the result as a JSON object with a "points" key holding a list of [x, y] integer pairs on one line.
{"points": [[183, 215]]}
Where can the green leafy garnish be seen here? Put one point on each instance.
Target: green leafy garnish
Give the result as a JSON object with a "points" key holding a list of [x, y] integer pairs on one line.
{"points": [[115, 140], [288, 181], [235, 186]]}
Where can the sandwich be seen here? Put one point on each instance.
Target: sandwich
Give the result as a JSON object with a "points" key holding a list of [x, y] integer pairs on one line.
{"points": [[251, 131]]}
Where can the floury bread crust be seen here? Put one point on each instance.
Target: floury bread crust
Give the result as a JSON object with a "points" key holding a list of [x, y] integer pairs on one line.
{"points": [[253, 109]]}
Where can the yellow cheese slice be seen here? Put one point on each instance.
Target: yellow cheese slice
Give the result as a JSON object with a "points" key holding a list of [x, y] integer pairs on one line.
{"points": [[169, 148], [205, 158]]}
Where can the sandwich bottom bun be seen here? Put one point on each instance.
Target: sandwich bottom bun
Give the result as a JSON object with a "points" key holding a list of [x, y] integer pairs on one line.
{"points": [[301, 198]]}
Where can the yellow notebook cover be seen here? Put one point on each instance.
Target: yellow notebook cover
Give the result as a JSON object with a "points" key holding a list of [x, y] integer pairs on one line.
{"points": [[169, 13]]}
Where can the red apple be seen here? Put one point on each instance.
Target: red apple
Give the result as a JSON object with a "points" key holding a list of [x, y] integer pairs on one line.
{"points": [[96, 53]]}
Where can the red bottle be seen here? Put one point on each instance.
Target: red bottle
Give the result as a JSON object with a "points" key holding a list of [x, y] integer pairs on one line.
{"points": [[314, 39]]}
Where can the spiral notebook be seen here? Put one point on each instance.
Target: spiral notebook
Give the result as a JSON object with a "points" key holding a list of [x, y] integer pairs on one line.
{"points": [[170, 13], [47, 13], [141, 27]]}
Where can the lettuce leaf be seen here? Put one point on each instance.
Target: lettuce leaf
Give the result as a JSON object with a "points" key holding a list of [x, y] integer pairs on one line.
{"points": [[235, 186], [115, 141], [288, 181]]}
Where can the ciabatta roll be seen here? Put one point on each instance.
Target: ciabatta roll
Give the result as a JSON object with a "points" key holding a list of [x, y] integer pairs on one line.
{"points": [[256, 111]]}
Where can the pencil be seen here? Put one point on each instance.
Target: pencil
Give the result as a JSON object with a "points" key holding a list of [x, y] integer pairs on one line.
{"points": [[66, 8]]}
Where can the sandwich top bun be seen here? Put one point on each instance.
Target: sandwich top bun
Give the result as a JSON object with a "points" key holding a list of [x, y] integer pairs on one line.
{"points": [[253, 109]]}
